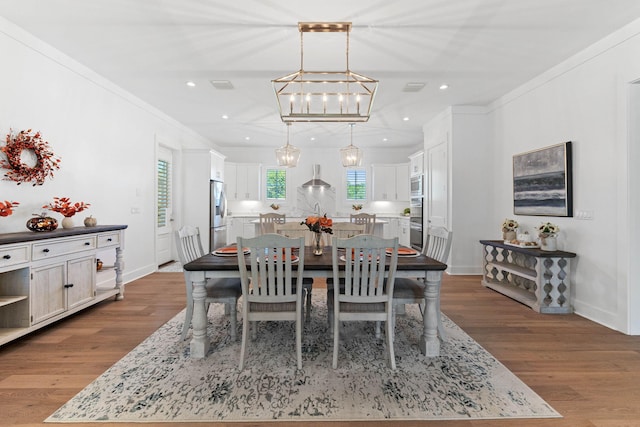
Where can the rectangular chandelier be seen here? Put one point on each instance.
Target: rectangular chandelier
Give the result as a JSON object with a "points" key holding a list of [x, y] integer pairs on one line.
{"points": [[324, 96]]}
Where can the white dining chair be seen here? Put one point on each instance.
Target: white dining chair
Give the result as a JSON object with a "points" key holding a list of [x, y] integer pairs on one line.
{"points": [[365, 291], [224, 291], [267, 220], [369, 220], [294, 230], [344, 230], [411, 291], [270, 285]]}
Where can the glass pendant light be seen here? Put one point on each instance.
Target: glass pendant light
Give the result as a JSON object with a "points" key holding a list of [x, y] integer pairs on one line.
{"points": [[351, 155], [288, 155]]}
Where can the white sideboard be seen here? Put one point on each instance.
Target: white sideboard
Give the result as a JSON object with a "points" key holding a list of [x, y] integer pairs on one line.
{"points": [[47, 276], [537, 278]]}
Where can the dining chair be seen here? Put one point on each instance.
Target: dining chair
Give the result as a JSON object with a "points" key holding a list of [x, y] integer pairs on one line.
{"points": [[369, 220], [295, 230], [411, 291], [344, 230], [225, 291], [365, 292], [269, 286], [267, 220]]}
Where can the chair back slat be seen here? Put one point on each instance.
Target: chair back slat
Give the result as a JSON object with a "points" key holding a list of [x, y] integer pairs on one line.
{"points": [[294, 230], [438, 243], [188, 244]]}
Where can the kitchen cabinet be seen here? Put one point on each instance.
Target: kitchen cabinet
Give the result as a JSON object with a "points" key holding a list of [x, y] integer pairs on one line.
{"points": [[390, 182], [416, 163], [240, 226], [243, 181], [403, 231], [397, 227], [539, 279], [45, 277]]}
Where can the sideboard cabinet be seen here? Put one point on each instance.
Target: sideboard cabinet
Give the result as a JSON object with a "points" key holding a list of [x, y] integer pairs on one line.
{"points": [[537, 278], [47, 276]]}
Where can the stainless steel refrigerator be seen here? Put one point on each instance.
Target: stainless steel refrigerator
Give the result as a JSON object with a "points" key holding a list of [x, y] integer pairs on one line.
{"points": [[218, 217]]}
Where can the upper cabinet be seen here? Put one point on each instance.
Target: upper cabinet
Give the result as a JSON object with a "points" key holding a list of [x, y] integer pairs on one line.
{"points": [[242, 181], [217, 166], [416, 163], [390, 182]]}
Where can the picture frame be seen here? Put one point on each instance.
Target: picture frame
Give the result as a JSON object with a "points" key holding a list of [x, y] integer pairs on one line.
{"points": [[542, 181]]}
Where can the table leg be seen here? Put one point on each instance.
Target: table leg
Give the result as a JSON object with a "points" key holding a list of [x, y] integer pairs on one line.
{"points": [[429, 342], [199, 341]]}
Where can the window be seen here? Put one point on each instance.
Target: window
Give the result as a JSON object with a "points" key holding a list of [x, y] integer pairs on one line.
{"points": [[276, 184], [356, 184], [164, 193]]}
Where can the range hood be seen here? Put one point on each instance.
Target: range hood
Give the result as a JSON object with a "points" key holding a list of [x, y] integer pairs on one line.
{"points": [[316, 182]]}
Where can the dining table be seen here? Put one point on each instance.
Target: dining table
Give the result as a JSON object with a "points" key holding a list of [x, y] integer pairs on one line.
{"points": [[315, 266]]}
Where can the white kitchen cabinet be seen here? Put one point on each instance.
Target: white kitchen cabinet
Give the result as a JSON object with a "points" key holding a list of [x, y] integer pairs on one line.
{"points": [[397, 227], [240, 226], [45, 277], [416, 163], [403, 231], [390, 182], [242, 181]]}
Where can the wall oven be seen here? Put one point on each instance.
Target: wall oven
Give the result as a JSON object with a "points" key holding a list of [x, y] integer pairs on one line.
{"points": [[416, 183], [415, 222]]}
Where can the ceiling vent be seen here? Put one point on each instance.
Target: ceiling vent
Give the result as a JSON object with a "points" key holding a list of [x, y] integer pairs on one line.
{"points": [[413, 87], [222, 84]]}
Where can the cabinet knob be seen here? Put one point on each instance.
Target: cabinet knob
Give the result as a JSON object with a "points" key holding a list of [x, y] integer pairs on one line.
{"points": [[7, 256], [87, 243], [109, 239], [45, 250], [69, 285]]}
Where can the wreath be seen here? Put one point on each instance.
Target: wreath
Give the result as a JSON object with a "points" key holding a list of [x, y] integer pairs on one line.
{"points": [[45, 161]]}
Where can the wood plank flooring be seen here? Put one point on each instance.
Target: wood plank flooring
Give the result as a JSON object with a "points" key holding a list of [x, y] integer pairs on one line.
{"points": [[589, 373]]}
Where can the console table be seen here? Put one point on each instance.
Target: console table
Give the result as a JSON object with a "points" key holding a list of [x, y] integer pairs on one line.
{"points": [[47, 276], [539, 279]]}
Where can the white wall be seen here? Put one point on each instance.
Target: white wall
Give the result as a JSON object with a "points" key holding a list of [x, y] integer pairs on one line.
{"points": [[105, 137], [583, 100]]}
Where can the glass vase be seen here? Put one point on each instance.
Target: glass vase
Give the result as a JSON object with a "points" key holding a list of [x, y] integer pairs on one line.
{"points": [[317, 243]]}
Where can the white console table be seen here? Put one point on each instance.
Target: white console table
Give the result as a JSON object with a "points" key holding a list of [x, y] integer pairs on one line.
{"points": [[47, 276], [537, 278]]}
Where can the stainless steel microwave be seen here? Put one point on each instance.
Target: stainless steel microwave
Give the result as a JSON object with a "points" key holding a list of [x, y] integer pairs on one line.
{"points": [[416, 185]]}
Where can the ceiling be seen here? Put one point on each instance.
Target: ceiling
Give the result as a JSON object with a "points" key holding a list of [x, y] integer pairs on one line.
{"points": [[481, 48]]}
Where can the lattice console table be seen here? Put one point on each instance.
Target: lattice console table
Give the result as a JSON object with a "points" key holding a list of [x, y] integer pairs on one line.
{"points": [[537, 278]]}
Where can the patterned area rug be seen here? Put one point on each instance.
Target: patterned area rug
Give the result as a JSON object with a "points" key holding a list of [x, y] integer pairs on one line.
{"points": [[158, 382]]}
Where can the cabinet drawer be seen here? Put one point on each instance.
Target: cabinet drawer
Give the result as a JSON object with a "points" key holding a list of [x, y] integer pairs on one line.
{"points": [[56, 248], [14, 255], [108, 239]]}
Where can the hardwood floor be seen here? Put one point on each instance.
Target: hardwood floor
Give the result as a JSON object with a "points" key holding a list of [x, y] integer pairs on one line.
{"points": [[588, 373]]}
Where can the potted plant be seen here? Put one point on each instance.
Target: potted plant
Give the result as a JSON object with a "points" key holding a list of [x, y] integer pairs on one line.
{"points": [[64, 206], [548, 232], [509, 227]]}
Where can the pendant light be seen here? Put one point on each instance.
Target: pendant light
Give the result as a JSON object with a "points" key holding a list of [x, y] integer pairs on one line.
{"points": [[351, 155], [288, 155]]}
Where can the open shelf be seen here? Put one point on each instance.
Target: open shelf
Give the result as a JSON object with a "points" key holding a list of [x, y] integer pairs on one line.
{"points": [[8, 300]]}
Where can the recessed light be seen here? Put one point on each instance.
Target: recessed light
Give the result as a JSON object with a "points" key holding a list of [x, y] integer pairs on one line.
{"points": [[444, 86], [406, 119], [247, 138], [222, 84], [313, 138], [191, 84], [384, 139], [224, 116]]}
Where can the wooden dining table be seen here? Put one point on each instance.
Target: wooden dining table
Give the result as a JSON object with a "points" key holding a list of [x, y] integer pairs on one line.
{"points": [[214, 266]]}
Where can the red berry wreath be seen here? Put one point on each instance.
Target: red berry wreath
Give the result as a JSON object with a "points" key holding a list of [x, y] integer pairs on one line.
{"points": [[45, 161]]}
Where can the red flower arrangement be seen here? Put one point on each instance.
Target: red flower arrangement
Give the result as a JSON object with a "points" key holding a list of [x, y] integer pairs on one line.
{"points": [[319, 224], [64, 206], [6, 207], [45, 160]]}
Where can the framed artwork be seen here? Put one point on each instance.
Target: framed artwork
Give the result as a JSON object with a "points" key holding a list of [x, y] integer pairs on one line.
{"points": [[542, 181]]}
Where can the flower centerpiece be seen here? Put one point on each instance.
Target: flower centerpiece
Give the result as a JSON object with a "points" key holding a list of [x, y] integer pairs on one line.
{"points": [[356, 207], [318, 225], [509, 227], [6, 207], [64, 206], [547, 233]]}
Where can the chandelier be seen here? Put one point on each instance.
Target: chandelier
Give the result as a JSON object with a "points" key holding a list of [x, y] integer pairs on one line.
{"points": [[324, 96], [288, 155], [351, 155]]}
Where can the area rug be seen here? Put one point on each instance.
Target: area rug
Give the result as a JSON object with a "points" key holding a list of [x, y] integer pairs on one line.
{"points": [[158, 382]]}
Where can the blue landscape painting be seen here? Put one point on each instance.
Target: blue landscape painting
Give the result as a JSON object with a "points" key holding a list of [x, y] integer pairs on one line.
{"points": [[542, 182]]}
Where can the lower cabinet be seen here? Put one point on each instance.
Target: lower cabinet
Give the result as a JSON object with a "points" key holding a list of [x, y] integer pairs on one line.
{"points": [[62, 286]]}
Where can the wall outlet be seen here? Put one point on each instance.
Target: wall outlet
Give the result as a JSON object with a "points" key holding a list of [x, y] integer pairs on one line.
{"points": [[584, 215]]}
